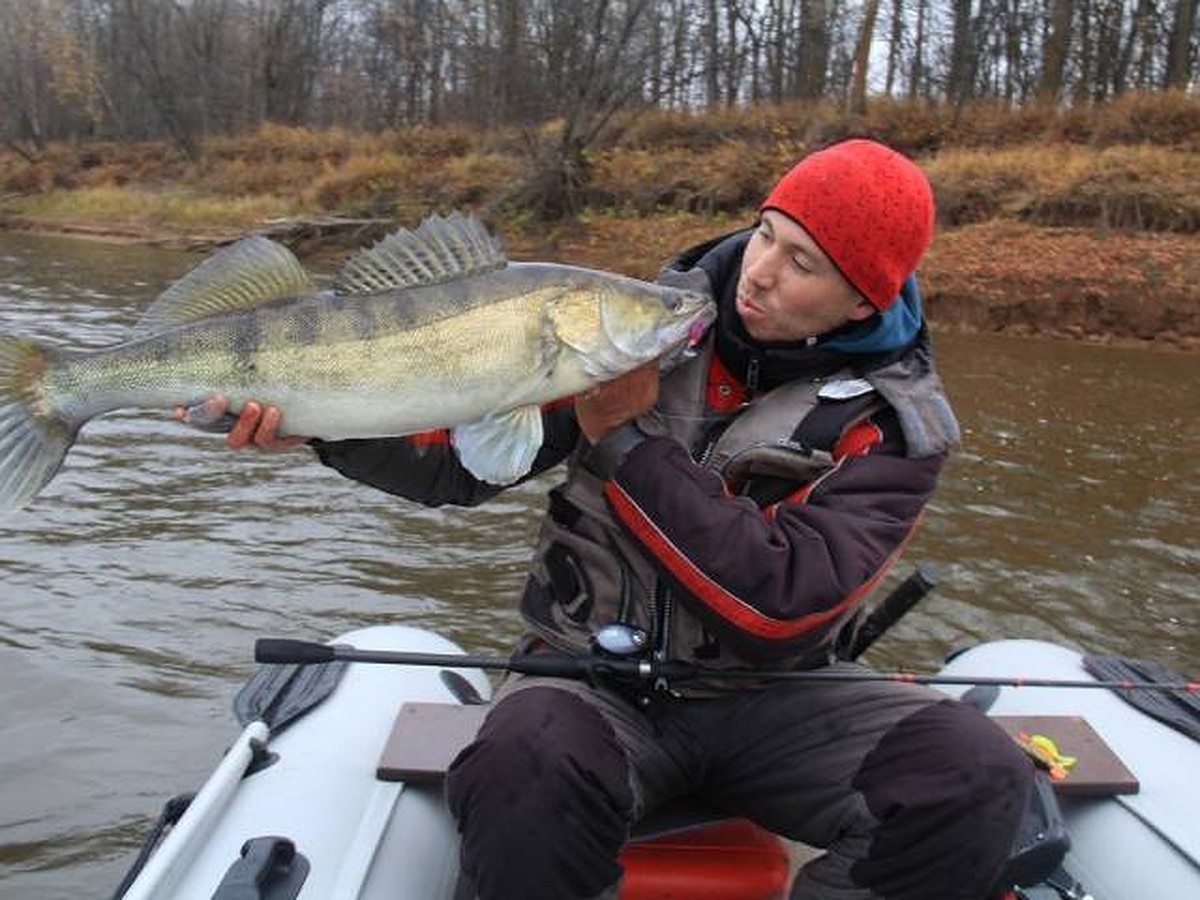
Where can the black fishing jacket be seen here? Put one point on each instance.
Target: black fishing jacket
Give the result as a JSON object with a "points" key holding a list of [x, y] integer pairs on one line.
{"points": [[768, 491]]}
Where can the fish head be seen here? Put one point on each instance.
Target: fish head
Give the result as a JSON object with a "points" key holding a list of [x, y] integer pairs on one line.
{"points": [[622, 323]]}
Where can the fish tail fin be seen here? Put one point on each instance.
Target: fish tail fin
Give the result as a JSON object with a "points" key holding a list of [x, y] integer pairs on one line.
{"points": [[33, 440]]}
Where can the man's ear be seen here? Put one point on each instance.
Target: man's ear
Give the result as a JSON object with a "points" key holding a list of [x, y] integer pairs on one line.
{"points": [[863, 309]]}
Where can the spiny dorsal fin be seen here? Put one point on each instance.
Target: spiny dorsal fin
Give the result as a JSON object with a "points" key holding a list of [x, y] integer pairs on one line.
{"points": [[441, 249], [253, 272]]}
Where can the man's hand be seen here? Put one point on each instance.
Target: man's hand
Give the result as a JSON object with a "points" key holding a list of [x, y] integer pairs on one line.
{"points": [[255, 425], [612, 404]]}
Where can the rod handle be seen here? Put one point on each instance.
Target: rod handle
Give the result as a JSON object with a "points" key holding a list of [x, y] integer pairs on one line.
{"points": [[888, 612], [284, 650]]}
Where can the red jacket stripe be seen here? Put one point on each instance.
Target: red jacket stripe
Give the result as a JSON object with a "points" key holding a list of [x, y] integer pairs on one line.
{"points": [[436, 437], [858, 440], [720, 601]]}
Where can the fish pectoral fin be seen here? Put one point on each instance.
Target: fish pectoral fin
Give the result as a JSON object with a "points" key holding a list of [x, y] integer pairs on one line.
{"points": [[500, 448], [251, 273]]}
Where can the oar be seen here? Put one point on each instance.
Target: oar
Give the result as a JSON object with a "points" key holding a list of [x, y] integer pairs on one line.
{"points": [[278, 695], [278, 650]]}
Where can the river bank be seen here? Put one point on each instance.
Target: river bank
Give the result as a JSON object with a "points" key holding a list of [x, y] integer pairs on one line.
{"points": [[1101, 287], [1079, 224], [1074, 284]]}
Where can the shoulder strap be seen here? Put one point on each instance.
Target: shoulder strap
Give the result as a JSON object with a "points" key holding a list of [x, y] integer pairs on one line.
{"points": [[815, 435], [829, 420]]}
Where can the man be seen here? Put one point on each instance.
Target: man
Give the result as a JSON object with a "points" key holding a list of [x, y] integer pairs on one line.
{"points": [[734, 513]]}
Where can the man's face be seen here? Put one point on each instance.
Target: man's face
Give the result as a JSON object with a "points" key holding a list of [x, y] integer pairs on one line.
{"points": [[788, 289]]}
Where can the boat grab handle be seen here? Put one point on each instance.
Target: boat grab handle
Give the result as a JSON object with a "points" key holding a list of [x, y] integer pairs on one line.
{"points": [[269, 869]]}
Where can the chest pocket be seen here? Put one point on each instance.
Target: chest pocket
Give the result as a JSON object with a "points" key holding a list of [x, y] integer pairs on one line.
{"points": [[768, 472]]}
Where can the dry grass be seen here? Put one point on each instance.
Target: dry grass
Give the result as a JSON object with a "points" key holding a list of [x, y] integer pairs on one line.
{"points": [[173, 208], [1134, 187], [1082, 223], [1132, 164]]}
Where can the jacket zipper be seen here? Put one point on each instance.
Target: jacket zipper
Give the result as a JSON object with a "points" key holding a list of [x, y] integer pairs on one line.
{"points": [[661, 607]]}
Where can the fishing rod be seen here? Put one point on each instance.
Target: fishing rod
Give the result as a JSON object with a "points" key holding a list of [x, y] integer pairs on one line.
{"points": [[562, 665]]}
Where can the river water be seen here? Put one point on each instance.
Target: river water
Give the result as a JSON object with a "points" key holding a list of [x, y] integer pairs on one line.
{"points": [[132, 589]]}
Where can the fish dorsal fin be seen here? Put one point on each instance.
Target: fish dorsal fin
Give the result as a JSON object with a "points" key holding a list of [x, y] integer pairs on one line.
{"points": [[441, 249], [253, 272]]}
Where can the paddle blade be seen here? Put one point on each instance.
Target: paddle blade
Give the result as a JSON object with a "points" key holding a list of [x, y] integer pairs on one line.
{"points": [[281, 694]]}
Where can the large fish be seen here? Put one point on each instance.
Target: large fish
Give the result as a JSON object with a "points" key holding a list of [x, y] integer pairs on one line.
{"points": [[427, 329]]}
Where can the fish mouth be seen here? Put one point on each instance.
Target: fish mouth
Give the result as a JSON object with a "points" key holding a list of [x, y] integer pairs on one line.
{"points": [[690, 336], [699, 327]]}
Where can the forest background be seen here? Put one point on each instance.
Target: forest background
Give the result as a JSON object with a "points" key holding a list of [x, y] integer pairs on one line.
{"points": [[1062, 136]]}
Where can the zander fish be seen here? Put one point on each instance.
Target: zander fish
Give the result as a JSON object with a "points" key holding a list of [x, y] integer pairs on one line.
{"points": [[428, 329]]}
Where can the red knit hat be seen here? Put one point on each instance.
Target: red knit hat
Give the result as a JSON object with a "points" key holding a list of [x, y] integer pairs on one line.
{"points": [[868, 207]]}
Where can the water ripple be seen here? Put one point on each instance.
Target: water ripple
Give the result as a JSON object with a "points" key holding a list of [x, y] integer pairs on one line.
{"points": [[135, 585]]}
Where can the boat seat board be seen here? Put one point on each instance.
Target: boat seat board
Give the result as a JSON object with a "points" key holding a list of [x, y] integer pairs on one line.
{"points": [[425, 738], [1097, 772]]}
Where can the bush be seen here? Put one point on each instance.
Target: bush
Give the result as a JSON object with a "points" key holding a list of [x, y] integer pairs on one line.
{"points": [[366, 185], [1129, 188], [1168, 118]]}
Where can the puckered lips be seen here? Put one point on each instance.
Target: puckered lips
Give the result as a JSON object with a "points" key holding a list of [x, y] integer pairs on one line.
{"points": [[748, 309]]}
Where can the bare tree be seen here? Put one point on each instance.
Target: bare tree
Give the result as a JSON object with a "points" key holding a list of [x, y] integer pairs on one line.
{"points": [[1180, 55], [895, 47], [712, 44], [862, 57], [960, 80], [156, 59], [601, 75], [814, 49], [24, 77], [1107, 16], [289, 42], [1055, 48], [1137, 55], [184, 69], [917, 82]]}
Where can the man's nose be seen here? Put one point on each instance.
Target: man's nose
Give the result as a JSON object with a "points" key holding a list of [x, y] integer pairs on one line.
{"points": [[762, 270]]}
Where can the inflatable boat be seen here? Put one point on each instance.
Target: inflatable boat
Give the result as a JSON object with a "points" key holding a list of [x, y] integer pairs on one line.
{"points": [[333, 788], [1131, 797]]}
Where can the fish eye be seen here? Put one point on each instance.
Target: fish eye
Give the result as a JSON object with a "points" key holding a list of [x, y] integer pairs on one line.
{"points": [[674, 303]]}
